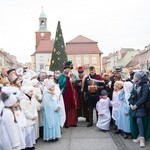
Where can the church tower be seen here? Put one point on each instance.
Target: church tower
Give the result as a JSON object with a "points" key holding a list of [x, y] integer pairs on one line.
{"points": [[42, 33], [43, 45]]}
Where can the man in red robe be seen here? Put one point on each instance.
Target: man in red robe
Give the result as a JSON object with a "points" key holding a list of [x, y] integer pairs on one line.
{"points": [[68, 92]]}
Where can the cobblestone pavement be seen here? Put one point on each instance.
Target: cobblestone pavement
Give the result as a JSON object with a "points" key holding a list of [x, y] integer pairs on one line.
{"points": [[89, 138]]}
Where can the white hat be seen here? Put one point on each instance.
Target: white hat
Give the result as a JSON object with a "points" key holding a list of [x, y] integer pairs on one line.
{"points": [[26, 89], [34, 82], [10, 90], [49, 84], [33, 74], [49, 73], [30, 74], [27, 75], [26, 82], [10, 101]]}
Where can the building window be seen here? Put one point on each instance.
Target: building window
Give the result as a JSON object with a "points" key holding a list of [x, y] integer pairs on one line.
{"points": [[78, 61], [86, 60], [41, 66], [94, 60], [41, 58]]}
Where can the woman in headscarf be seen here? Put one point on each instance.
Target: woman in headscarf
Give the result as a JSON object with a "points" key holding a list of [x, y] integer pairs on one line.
{"points": [[137, 101]]}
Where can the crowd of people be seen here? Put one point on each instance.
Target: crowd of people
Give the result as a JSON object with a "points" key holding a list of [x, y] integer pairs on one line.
{"points": [[34, 106]]}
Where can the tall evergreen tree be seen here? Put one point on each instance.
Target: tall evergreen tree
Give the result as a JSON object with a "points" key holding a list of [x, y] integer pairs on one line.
{"points": [[59, 55]]}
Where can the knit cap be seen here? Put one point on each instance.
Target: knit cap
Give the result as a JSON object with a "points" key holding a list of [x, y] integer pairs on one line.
{"points": [[139, 74], [104, 93]]}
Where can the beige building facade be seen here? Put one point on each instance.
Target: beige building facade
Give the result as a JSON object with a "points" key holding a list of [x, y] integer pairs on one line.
{"points": [[7, 60], [120, 58], [81, 50], [142, 60], [84, 52]]}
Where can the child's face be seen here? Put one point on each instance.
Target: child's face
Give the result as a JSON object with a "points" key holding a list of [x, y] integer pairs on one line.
{"points": [[30, 93], [52, 89], [18, 82], [37, 85], [105, 96], [8, 84], [16, 106], [115, 87]]}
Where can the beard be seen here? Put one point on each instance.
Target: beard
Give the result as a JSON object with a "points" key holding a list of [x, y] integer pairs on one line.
{"points": [[93, 75]]}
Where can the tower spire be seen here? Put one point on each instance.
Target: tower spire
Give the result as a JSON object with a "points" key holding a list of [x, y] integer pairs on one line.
{"points": [[42, 22], [42, 8]]}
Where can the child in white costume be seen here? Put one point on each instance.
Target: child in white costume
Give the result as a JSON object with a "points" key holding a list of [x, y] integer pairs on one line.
{"points": [[102, 107], [21, 119], [1, 112], [36, 89], [38, 100], [59, 96], [29, 108], [1, 107], [61, 104], [116, 103], [123, 118], [51, 113], [11, 135]]}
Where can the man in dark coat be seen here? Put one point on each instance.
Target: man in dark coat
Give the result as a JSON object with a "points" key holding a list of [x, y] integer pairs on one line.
{"points": [[93, 85], [83, 107]]}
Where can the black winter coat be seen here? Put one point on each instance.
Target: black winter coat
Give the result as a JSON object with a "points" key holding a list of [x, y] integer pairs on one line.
{"points": [[140, 96]]}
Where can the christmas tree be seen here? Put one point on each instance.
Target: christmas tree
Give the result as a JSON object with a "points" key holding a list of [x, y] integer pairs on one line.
{"points": [[59, 55]]}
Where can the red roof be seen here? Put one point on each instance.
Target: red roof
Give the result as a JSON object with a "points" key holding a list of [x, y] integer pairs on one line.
{"points": [[82, 45], [45, 46], [81, 39]]}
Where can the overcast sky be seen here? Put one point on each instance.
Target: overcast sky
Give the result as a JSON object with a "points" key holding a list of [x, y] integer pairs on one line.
{"points": [[112, 23]]}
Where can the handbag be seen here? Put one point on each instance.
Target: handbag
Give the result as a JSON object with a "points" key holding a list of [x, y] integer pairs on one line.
{"points": [[147, 105]]}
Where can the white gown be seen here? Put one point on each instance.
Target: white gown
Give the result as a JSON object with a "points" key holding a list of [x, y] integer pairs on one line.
{"points": [[104, 116], [11, 135], [59, 96], [61, 104], [116, 103]]}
